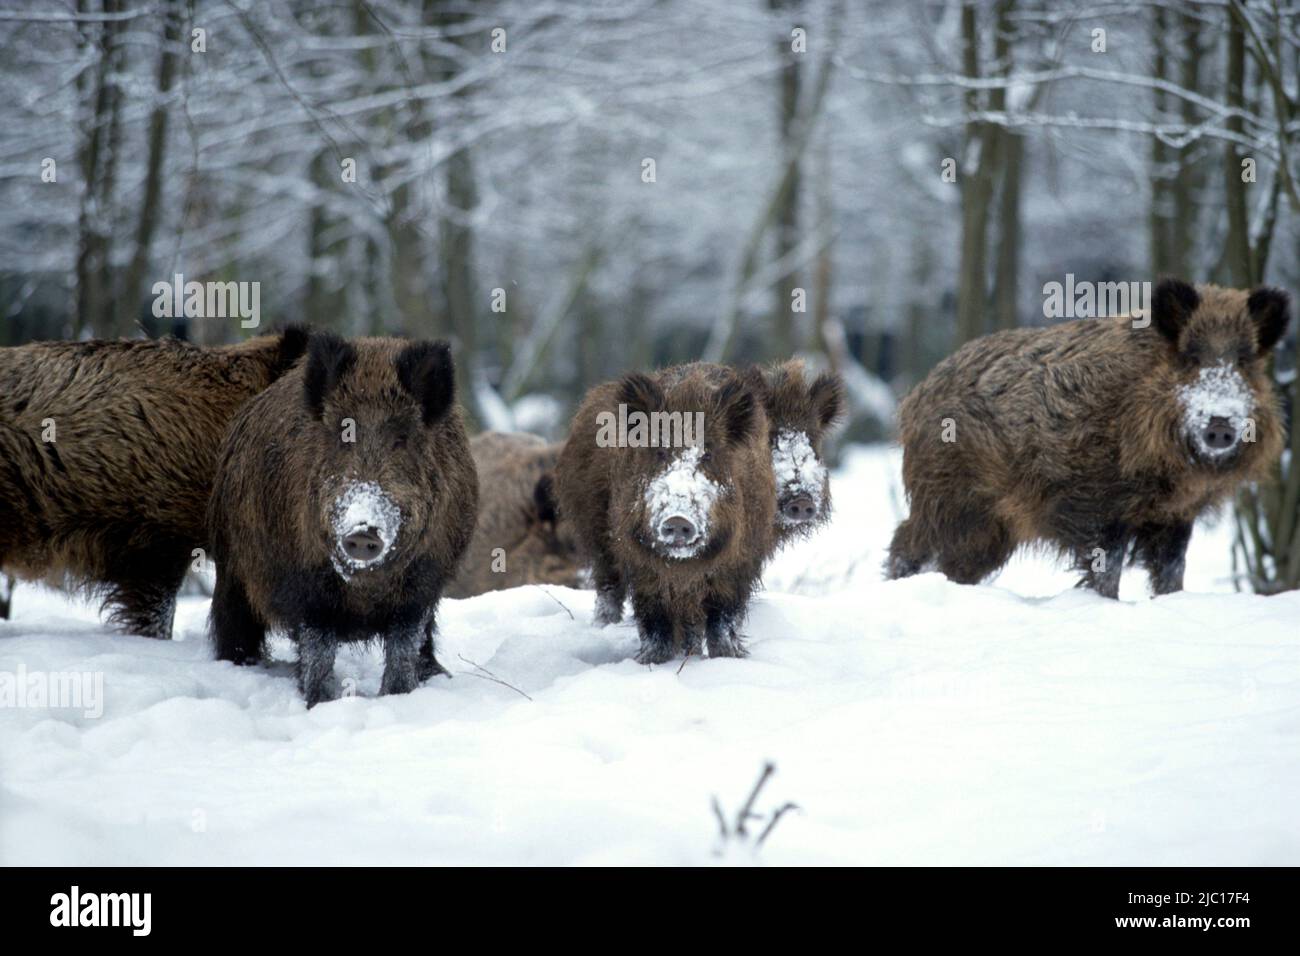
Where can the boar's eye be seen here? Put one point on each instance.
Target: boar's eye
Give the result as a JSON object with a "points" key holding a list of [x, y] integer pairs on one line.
{"points": [[706, 455], [661, 454]]}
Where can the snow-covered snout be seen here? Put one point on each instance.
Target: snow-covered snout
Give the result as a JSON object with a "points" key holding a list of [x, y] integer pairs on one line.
{"points": [[679, 505], [365, 522], [801, 478], [1216, 410], [800, 413]]}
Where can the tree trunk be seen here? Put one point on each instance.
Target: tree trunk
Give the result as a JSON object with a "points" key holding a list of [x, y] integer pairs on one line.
{"points": [[93, 219], [1162, 210], [1181, 259], [1010, 161], [976, 194], [151, 202], [1238, 268], [786, 232]]}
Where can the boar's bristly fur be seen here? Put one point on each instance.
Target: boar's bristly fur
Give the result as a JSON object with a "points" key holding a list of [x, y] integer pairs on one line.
{"points": [[685, 529], [107, 450], [344, 499], [799, 414], [517, 514], [1103, 438]]}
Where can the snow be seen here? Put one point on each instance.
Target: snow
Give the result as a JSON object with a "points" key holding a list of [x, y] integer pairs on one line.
{"points": [[913, 722], [683, 489], [1219, 391], [362, 505], [797, 469]]}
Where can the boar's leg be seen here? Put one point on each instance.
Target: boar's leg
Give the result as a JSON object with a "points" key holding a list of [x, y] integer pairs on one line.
{"points": [[1102, 560], [720, 627], [6, 596], [907, 552], [142, 595], [975, 542], [402, 661], [655, 626], [237, 632], [611, 590], [1162, 550], [428, 665], [315, 663]]}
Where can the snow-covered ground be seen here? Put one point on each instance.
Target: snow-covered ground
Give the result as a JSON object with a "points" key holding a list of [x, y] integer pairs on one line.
{"points": [[913, 722]]}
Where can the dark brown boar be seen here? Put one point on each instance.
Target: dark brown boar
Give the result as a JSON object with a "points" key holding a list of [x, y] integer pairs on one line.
{"points": [[686, 529], [344, 498], [107, 450], [799, 414], [1099, 437], [518, 539]]}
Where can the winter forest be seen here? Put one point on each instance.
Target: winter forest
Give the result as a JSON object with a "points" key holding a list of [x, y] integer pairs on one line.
{"points": [[570, 190]]}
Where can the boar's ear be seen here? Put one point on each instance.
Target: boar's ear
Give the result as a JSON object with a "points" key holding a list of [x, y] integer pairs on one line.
{"points": [[738, 408], [640, 393], [425, 370], [1171, 306], [1270, 310], [544, 498], [827, 396], [328, 360], [292, 344]]}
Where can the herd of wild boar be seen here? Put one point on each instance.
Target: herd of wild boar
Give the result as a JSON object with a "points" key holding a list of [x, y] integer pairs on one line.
{"points": [[335, 487]]}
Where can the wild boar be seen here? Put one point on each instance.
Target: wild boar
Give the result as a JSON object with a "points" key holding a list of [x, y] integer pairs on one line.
{"points": [[1103, 438], [518, 539], [799, 414], [344, 499], [681, 512], [107, 450]]}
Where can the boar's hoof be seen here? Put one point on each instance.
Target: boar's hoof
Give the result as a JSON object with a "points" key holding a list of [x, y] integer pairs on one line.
{"points": [[727, 645], [400, 676], [609, 608], [429, 666], [654, 652]]}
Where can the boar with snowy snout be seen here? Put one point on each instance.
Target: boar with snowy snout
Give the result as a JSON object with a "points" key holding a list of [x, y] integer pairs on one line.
{"points": [[518, 539], [686, 528], [344, 499], [799, 414], [107, 450], [1103, 438]]}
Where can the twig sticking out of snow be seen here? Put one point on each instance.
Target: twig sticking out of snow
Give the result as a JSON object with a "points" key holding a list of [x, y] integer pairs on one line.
{"points": [[556, 600], [488, 675], [739, 830]]}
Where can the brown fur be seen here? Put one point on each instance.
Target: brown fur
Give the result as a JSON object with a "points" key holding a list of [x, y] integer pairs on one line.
{"points": [[280, 474], [1072, 436], [516, 514], [796, 405], [792, 404], [117, 502], [601, 490]]}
